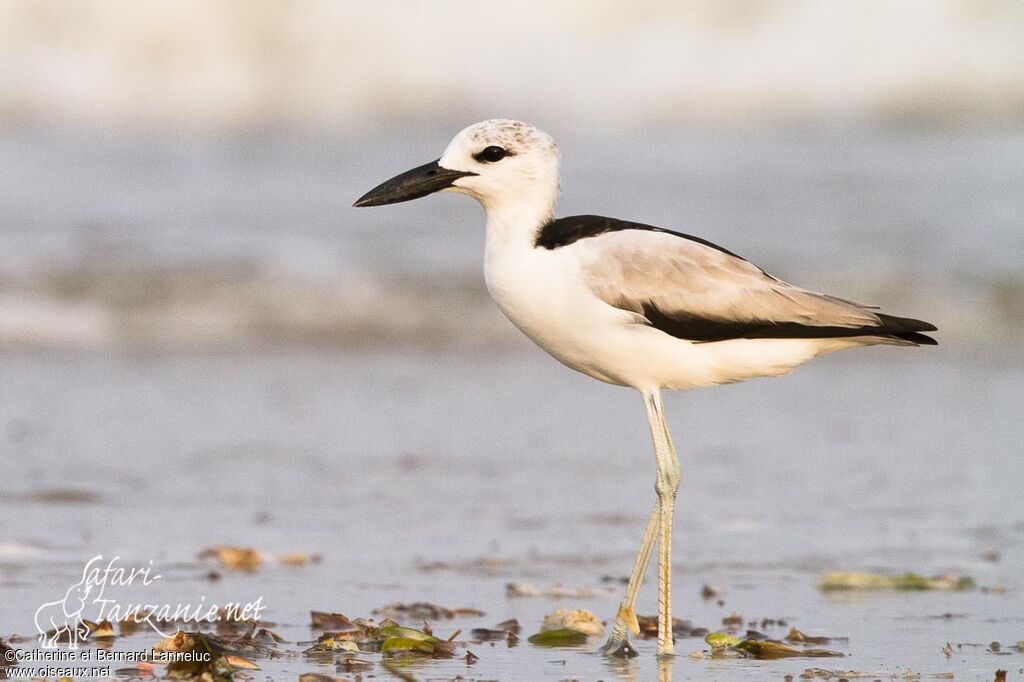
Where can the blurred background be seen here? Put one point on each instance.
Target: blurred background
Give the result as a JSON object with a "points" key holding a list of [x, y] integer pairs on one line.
{"points": [[195, 324], [180, 173]]}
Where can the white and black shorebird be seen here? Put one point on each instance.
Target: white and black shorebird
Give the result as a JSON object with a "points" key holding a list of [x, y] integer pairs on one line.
{"points": [[633, 305]]}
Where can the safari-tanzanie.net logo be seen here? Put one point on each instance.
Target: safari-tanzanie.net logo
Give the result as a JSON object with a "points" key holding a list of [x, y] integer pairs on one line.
{"points": [[100, 597]]}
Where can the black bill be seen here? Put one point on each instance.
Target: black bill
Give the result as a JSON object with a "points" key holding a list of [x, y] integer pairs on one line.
{"points": [[413, 184]]}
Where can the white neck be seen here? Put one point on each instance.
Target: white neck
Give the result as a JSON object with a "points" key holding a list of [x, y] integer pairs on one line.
{"points": [[516, 221]]}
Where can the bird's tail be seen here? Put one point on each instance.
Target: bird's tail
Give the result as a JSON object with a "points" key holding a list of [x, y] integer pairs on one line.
{"points": [[907, 329]]}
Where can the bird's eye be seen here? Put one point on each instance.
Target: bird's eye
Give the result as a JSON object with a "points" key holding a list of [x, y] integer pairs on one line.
{"points": [[491, 155]]}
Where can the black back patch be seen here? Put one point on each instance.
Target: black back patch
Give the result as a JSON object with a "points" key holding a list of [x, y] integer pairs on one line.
{"points": [[564, 231]]}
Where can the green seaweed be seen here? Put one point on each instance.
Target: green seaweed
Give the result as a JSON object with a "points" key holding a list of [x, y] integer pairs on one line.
{"points": [[721, 642], [397, 640], [398, 632], [853, 580], [556, 638], [395, 645]]}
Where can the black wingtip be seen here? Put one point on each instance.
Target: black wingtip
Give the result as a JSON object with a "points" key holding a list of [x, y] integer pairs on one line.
{"points": [[909, 329], [918, 338]]}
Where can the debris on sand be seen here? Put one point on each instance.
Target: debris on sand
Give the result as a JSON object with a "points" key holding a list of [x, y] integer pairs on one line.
{"points": [[352, 664], [485, 565], [723, 645], [266, 637], [388, 638], [232, 622], [422, 610], [298, 559], [823, 674], [521, 590], [733, 621], [322, 620], [396, 640], [512, 626], [565, 627], [800, 638], [129, 626], [556, 592], [249, 559], [6, 655], [340, 632], [102, 632], [853, 580], [580, 620], [680, 628], [508, 629], [209, 657], [234, 558], [710, 592], [61, 496], [615, 579]]}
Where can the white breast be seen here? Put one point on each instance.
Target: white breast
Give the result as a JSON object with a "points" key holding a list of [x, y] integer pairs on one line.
{"points": [[538, 290], [542, 292]]}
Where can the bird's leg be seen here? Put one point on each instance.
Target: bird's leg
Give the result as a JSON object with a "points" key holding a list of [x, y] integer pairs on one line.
{"points": [[625, 619], [666, 485], [658, 525]]}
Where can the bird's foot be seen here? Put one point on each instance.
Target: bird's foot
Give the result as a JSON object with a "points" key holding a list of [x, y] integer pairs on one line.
{"points": [[619, 648], [618, 642]]}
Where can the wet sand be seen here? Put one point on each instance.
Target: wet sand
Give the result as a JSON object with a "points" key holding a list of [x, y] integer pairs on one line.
{"points": [[443, 476]]}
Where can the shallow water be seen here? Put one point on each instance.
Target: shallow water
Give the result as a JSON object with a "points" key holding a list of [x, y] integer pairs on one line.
{"points": [[443, 476]]}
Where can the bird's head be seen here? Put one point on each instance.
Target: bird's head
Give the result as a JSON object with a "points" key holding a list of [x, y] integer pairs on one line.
{"points": [[498, 162]]}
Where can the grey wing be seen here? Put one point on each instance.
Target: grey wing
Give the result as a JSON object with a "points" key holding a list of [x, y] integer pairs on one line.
{"points": [[693, 290]]}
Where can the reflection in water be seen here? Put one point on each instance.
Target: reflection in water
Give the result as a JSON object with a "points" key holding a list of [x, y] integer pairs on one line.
{"points": [[629, 669], [665, 665]]}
